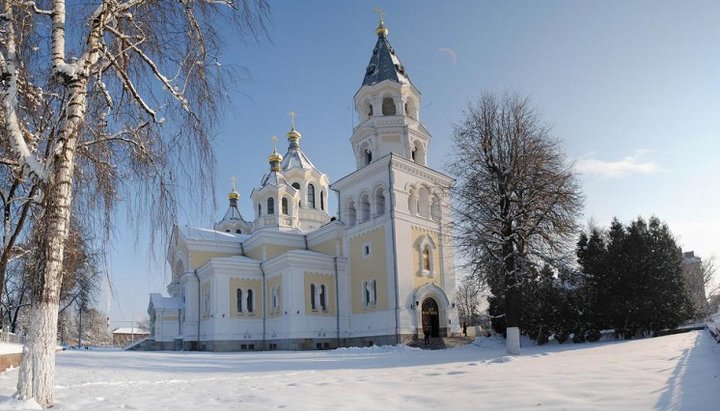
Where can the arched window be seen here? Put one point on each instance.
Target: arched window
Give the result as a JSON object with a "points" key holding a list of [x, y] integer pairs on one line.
{"points": [[426, 258], [271, 205], [388, 106], [238, 300], [284, 205], [413, 153], [259, 209], [424, 202], [250, 302], [379, 201], [238, 231], [368, 156], [322, 200], [227, 231], [412, 202], [352, 214], [312, 297], [311, 196], [370, 110], [372, 288], [365, 207], [296, 186]]}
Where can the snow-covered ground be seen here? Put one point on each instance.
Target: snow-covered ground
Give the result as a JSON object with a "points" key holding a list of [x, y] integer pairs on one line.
{"points": [[678, 372]]}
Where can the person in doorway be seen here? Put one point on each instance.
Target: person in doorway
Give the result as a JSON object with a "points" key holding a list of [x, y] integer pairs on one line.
{"points": [[426, 332]]}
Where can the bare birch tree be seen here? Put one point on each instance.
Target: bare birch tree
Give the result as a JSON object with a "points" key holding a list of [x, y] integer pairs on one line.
{"points": [[517, 197], [97, 97]]}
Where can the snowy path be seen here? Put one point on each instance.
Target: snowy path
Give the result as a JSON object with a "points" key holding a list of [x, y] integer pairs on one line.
{"points": [[669, 373]]}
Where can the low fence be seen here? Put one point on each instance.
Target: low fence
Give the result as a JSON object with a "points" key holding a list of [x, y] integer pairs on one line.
{"points": [[7, 337]]}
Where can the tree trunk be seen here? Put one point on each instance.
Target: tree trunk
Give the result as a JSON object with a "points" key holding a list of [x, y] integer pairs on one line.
{"points": [[37, 375], [512, 295]]}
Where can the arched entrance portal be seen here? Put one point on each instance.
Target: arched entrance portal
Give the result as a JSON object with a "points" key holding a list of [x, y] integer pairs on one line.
{"points": [[431, 317]]}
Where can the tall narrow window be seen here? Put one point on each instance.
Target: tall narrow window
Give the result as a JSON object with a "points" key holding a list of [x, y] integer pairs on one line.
{"points": [[323, 297], [238, 300], [373, 292], [365, 294], [370, 110], [271, 205], [259, 210], [368, 156], [322, 200], [352, 214], [379, 201], [365, 208], [284, 205], [426, 258], [311, 196], [250, 305], [312, 297]]}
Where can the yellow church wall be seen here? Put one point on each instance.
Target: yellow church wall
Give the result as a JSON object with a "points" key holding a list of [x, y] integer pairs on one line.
{"points": [[319, 278], [198, 258], [420, 278], [366, 268], [269, 284], [328, 247], [245, 284]]}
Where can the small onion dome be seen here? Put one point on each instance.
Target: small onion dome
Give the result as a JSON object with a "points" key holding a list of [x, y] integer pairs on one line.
{"points": [[293, 137], [234, 195], [382, 31], [274, 159]]}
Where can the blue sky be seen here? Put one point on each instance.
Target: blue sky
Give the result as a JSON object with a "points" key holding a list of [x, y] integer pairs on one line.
{"points": [[630, 88]]}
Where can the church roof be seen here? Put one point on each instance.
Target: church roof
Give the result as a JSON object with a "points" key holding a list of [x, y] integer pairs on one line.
{"points": [[204, 234], [273, 178], [168, 303], [232, 215], [296, 158], [384, 64]]}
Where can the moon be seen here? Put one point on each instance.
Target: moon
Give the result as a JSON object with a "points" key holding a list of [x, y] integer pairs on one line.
{"points": [[450, 52]]}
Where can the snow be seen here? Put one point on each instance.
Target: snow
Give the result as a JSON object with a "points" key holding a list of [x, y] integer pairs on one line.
{"points": [[678, 372], [10, 348]]}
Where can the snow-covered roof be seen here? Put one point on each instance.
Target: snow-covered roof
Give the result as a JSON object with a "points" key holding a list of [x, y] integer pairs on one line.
{"points": [[167, 303], [205, 234], [129, 330]]}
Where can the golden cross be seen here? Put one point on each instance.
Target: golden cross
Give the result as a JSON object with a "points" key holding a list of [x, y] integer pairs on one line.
{"points": [[233, 179], [293, 116], [274, 140], [380, 12]]}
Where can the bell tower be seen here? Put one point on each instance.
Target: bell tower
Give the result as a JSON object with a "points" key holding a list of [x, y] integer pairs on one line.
{"points": [[388, 109]]}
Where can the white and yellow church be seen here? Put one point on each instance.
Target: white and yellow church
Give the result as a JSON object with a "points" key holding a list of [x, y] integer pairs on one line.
{"points": [[293, 278]]}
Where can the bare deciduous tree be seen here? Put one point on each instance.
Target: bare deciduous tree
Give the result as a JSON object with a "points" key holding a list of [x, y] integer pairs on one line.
{"points": [[97, 97], [517, 198]]}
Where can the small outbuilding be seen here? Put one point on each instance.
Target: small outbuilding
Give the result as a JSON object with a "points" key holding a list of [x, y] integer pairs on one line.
{"points": [[128, 335]]}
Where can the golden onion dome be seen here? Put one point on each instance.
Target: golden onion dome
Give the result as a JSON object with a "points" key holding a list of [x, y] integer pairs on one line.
{"points": [[293, 134], [275, 157], [234, 195], [382, 31]]}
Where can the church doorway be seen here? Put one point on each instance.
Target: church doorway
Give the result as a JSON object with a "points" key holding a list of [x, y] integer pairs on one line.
{"points": [[431, 317]]}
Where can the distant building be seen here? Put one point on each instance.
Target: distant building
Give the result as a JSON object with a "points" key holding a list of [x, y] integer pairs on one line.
{"points": [[694, 282], [382, 272], [126, 335]]}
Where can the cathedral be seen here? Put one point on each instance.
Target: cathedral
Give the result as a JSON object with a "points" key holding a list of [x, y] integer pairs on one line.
{"points": [[294, 278]]}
